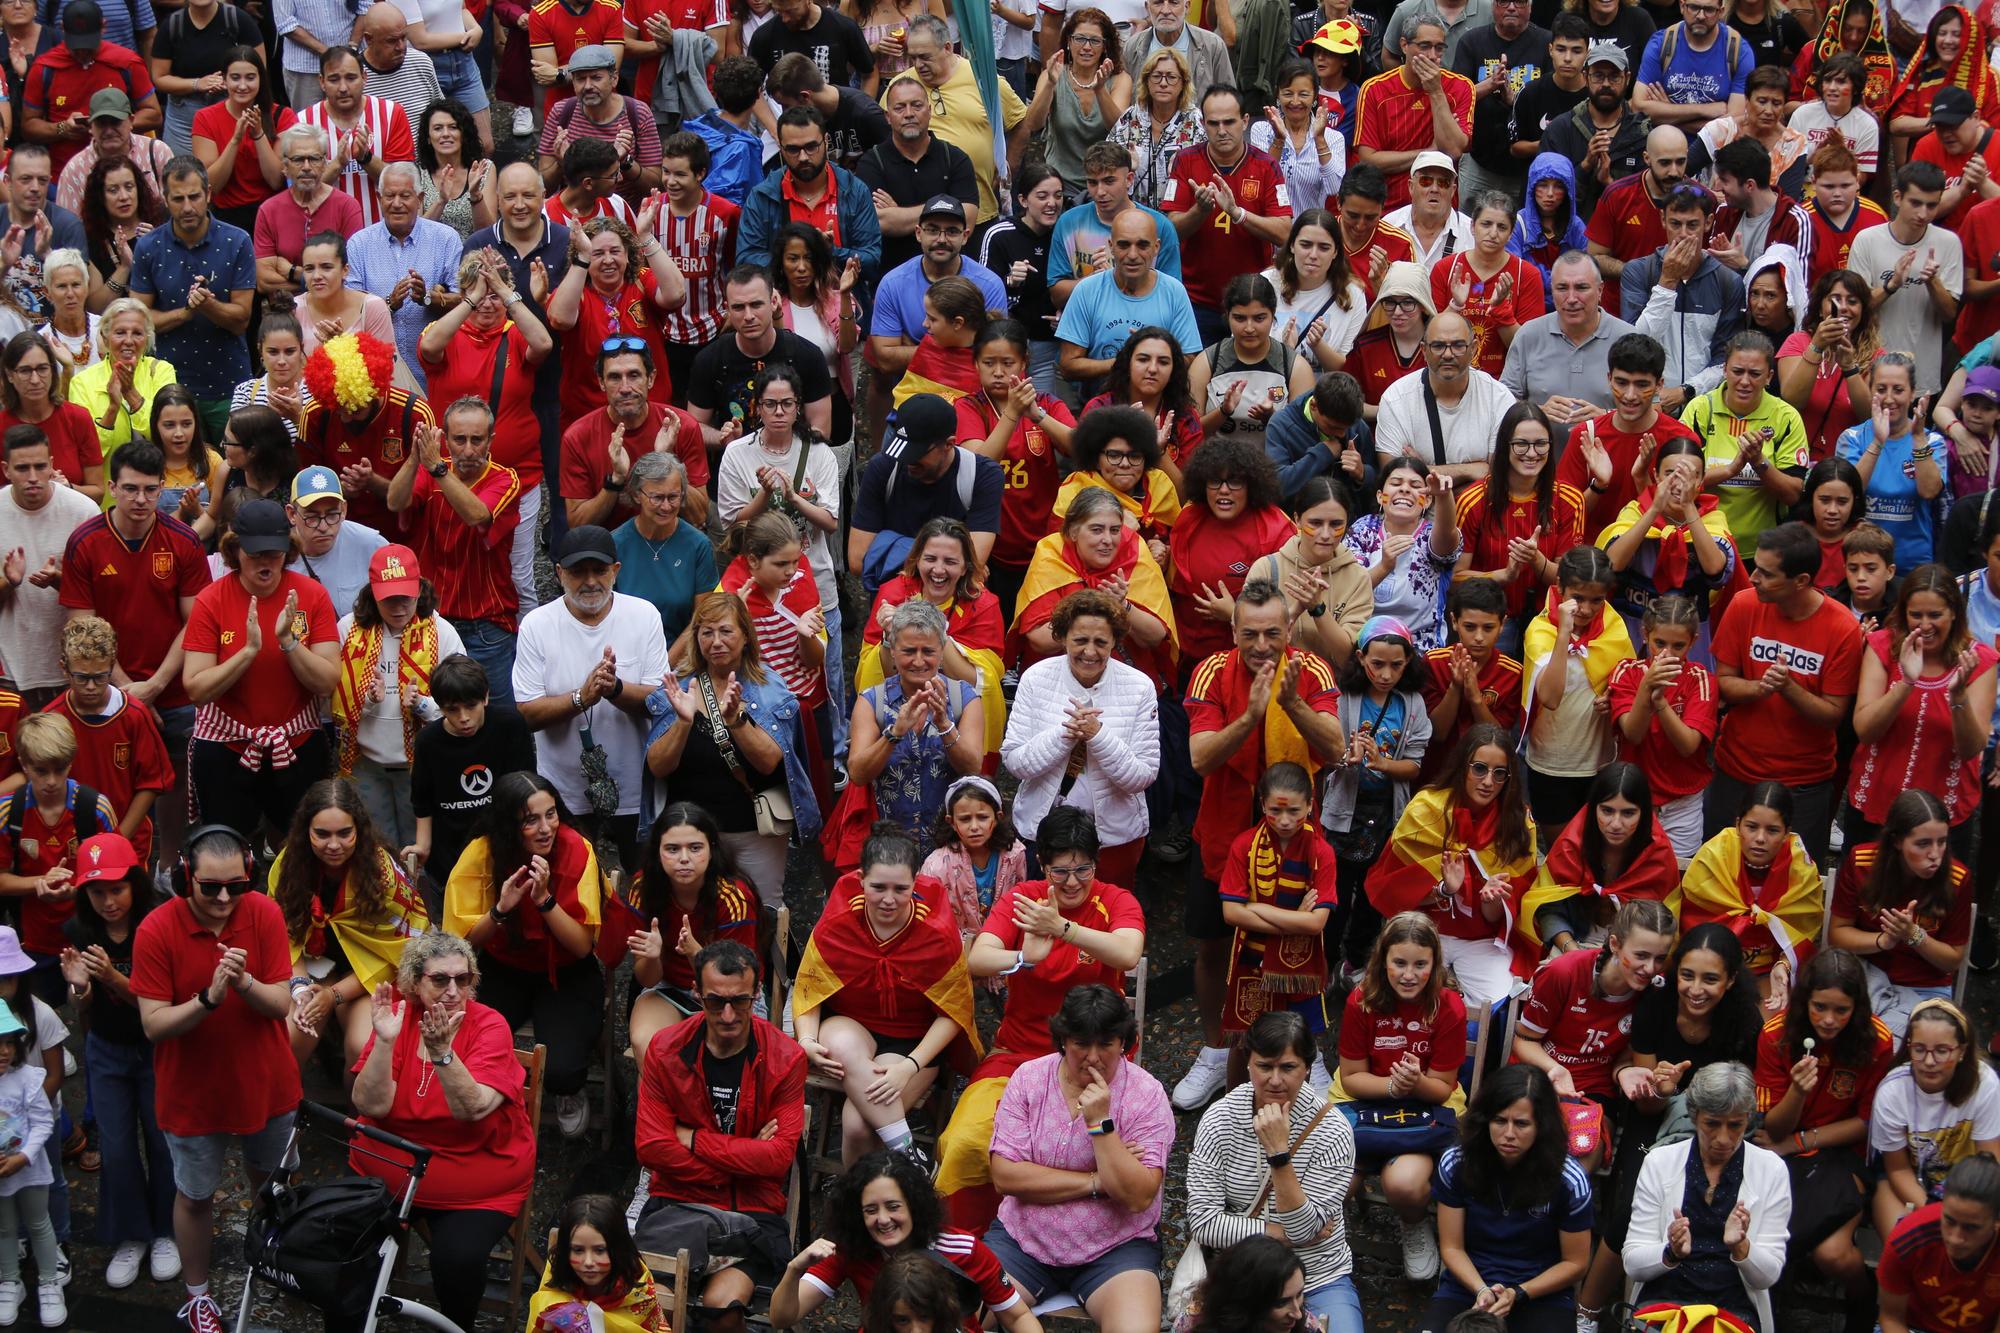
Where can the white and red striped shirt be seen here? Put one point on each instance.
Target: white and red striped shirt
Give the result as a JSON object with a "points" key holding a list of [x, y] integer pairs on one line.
{"points": [[703, 246], [389, 130], [610, 206]]}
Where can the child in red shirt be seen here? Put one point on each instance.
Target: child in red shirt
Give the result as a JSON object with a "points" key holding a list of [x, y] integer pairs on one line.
{"points": [[119, 748], [40, 826], [1470, 681], [1665, 708], [1023, 431]]}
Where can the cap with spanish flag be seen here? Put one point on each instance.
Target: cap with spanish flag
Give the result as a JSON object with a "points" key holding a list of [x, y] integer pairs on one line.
{"points": [[393, 572], [1340, 36]]}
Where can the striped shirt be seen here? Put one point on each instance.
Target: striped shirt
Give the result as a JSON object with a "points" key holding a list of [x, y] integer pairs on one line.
{"points": [[329, 20], [777, 626], [150, 156], [1226, 1171], [387, 127], [412, 84], [610, 206], [702, 245]]}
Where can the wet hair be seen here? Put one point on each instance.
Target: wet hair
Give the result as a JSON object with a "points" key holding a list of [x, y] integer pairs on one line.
{"points": [[606, 1216], [847, 1229], [1617, 778], [1832, 969], [1092, 1014], [1536, 1178], [1889, 882]]}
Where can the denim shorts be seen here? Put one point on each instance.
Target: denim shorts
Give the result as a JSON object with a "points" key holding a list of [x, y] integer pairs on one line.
{"points": [[1041, 1281], [198, 1159], [458, 75]]}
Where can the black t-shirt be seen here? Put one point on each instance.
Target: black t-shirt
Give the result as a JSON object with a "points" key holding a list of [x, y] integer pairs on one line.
{"points": [[857, 126], [111, 1019], [1007, 242], [1527, 60], [1777, 40], [705, 779], [1539, 105], [943, 169], [915, 503], [1632, 29], [724, 373], [1656, 1031], [835, 44], [1958, 546], [192, 51], [725, 1085], [452, 777]]}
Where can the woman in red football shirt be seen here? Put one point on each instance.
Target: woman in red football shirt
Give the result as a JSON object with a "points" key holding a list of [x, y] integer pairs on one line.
{"points": [[617, 284], [1903, 904], [1024, 431], [1516, 522], [237, 139], [1497, 292], [1233, 517]]}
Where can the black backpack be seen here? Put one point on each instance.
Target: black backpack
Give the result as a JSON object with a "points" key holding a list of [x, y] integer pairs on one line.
{"points": [[322, 1243]]}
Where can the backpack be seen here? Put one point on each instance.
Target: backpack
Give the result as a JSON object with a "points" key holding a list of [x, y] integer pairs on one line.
{"points": [[968, 476], [238, 29], [735, 158], [83, 814], [1670, 42], [322, 1243]]}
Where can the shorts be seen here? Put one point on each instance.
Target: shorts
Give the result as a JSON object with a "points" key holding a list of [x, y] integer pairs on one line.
{"points": [[885, 1045], [770, 1249], [198, 1157], [1040, 1281], [458, 75], [1204, 909]]}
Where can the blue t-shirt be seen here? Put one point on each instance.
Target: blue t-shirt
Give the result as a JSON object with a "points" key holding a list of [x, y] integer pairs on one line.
{"points": [[899, 299], [1697, 76], [1508, 1245], [670, 574], [1100, 316], [1892, 501], [211, 360], [1386, 726], [1079, 233]]}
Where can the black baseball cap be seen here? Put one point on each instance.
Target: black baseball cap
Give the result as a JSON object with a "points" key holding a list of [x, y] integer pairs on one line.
{"points": [[262, 527], [921, 424], [942, 206], [1952, 106], [588, 542], [83, 25]]}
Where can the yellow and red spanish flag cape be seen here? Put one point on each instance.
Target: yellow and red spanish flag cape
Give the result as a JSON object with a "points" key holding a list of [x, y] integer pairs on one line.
{"points": [[884, 982], [1602, 646], [1056, 570], [1432, 825], [947, 372], [976, 627], [633, 1308], [1716, 889], [1655, 873], [1155, 512], [373, 947]]}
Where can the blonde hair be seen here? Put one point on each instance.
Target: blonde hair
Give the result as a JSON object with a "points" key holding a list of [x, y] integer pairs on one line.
{"points": [[89, 639], [124, 305], [45, 740], [1180, 63]]}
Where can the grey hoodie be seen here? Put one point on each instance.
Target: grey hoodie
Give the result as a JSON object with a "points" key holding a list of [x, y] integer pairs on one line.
{"points": [[1693, 322]]}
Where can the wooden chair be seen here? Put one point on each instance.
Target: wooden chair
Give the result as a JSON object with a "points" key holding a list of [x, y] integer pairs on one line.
{"points": [[1504, 1016], [1135, 990], [1965, 959]]}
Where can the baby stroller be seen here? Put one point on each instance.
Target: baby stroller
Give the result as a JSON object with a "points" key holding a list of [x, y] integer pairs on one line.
{"points": [[334, 1245]]}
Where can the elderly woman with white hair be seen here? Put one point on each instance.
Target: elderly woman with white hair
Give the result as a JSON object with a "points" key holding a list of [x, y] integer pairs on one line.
{"points": [[117, 389], [664, 555], [1711, 1214], [71, 329]]}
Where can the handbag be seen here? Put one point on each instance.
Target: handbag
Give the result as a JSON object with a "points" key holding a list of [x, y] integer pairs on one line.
{"points": [[1191, 1269], [1367, 831], [1390, 1128], [773, 805]]}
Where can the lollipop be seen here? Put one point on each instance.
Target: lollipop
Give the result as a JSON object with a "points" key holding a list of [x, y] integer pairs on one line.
{"points": [[1808, 1044]]}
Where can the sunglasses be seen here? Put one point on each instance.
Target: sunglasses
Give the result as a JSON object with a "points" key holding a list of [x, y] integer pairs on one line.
{"points": [[1482, 769], [215, 888], [628, 343], [715, 1004]]}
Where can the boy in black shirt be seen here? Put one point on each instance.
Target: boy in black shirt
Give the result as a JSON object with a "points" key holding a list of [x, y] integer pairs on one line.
{"points": [[455, 764]]}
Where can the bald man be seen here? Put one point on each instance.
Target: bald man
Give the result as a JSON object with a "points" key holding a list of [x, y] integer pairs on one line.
{"points": [[393, 69], [1626, 224], [1469, 403], [1108, 305]]}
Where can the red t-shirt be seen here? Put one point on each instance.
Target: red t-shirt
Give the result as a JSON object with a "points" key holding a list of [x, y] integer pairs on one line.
{"points": [[1034, 470], [1035, 993], [481, 586], [383, 441], [1768, 738], [1487, 538], [1376, 364], [1218, 249], [58, 87], [1395, 117], [1222, 555], [235, 1047], [1572, 469], [553, 23], [695, 15], [735, 919], [1841, 1093], [1931, 149], [1626, 222], [1830, 407], [1499, 685], [268, 694], [1693, 697], [631, 312], [1437, 1040], [960, 1249], [1581, 1029], [1903, 966], [1229, 794], [121, 754], [1979, 235], [1943, 1297], [466, 371], [73, 440], [1830, 244], [1526, 300], [586, 453], [138, 592], [282, 226], [246, 185], [43, 847], [11, 713], [488, 1163]]}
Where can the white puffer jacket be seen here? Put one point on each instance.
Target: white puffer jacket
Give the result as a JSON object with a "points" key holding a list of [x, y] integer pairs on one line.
{"points": [[1124, 755]]}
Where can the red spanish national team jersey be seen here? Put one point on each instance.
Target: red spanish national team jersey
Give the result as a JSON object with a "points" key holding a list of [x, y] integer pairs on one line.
{"points": [[1033, 469], [630, 312], [121, 754], [1943, 1298], [11, 711], [1830, 244], [1397, 246], [1499, 687], [1841, 1093], [552, 23], [1623, 447], [1034, 994], [267, 694], [1438, 1040], [1581, 1028], [138, 592], [702, 245], [962, 1254], [481, 586], [1376, 364], [1902, 966], [383, 442], [1219, 249], [1395, 117], [1484, 310], [42, 847], [1693, 697], [1627, 223]]}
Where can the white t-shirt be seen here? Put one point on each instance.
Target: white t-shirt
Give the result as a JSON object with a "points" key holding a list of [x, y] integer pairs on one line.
{"points": [[382, 723], [1857, 129], [1937, 1134], [438, 17], [1907, 318], [1402, 425], [1455, 238], [1129, 15], [31, 619], [553, 653], [736, 486], [1342, 326], [343, 570]]}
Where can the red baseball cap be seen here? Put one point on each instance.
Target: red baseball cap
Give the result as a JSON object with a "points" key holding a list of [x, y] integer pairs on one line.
{"points": [[106, 856], [393, 572]]}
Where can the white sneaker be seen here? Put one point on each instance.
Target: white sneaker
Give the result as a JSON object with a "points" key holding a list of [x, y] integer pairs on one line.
{"points": [[49, 1298], [11, 1296], [1320, 1079], [1420, 1251], [572, 1114], [1203, 1080], [62, 1267], [524, 122], [166, 1260], [1587, 1320], [123, 1270]]}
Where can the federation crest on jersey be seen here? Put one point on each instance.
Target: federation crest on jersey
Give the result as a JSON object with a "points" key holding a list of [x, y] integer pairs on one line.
{"points": [[392, 449], [121, 755], [163, 565]]}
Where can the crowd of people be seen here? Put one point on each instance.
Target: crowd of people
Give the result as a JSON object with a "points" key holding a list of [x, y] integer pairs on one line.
{"points": [[1495, 499]]}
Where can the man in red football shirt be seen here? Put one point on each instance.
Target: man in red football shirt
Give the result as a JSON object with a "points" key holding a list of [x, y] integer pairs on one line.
{"points": [[1966, 149], [1626, 224], [1370, 243], [1417, 106], [461, 514], [1940, 1269], [63, 78], [364, 444], [1228, 202], [593, 477], [1607, 446]]}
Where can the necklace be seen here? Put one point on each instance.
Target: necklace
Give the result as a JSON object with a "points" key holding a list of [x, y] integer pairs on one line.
{"points": [[1080, 85], [655, 546]]}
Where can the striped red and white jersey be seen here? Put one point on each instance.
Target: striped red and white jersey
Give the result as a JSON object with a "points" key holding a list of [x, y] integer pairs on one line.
{"points": [[610, 206], [703, 246], [388, 129]]}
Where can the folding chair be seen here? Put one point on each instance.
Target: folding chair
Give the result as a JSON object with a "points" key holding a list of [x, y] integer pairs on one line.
{"points": [[1965, 958]]}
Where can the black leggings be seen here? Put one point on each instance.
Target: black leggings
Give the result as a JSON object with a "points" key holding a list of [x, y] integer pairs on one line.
{"points": [[462, 1240], [225, 792], [568, 1015]]}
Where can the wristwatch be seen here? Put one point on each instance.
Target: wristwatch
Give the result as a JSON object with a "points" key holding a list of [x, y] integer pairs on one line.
{"points": [[547, 904], [439, 468], [441, 1062], [576, 700], [201, 996]]}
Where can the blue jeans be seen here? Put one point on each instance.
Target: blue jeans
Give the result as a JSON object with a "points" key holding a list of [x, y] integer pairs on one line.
{"points": [[458, 75], [493, 648], [1043, 355], [1015, 73], [1337, 1304], [135, 1197], [836, 680]]}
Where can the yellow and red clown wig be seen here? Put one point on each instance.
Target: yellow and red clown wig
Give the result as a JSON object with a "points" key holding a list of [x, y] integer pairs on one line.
{"points": [[353, 370]]}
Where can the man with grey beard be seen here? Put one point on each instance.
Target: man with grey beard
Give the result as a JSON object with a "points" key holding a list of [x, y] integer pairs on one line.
{"points": [[584, 666]]}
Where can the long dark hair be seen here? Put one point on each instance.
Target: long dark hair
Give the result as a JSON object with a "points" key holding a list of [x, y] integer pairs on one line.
{"points": [[1832, 969], [1964, 1079], [1513, 840], [818, 249], [267, 101], [1243, 1283], [1338, 275], [468, 135], [370, 872], [650, 888], [269, 454], [1118, 384], [845, 1226], [1890, 882], [179, 395], [1734, 1022], [15, 351], [922, 1286], [1830, 470], [368, 614], [1617, 778], [501, 824], [97, 218], [1537, 1179], [1498, 492], [144, 899], [606, 1216]]}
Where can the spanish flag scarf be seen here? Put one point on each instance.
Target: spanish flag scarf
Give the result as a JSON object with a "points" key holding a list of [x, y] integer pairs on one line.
{"points": [[360, 659], [1602, 644], [1876, 58], [1781, 920], [623, 1307], [1654, 873], [1056, 570], [1969, 72], [1432, 826], [1264, 967], [373, 947], [947, 372]]}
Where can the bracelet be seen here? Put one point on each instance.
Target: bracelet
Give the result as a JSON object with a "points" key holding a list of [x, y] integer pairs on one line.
{"points": [[1922, 455], [1800, 1139], [1922, 935], [300, 983], [547, 904], [1093, 1184], [911, 1058]]}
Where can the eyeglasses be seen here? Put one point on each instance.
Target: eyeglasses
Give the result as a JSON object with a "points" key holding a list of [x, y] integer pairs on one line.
{"points": [[1075, 874], [777, 405], [664, 499], [1931, 1054], [1085, 39], [628, 343], [215, 888], [1393, 303], [322, 520], [446, 980], [1455, 347], [1481, 769], [1119, 456], [305, 159], [35, 372], [1229, 484], [1529, 447], [715, 1004], [803, 149], [90, 677], [1164, 76]]}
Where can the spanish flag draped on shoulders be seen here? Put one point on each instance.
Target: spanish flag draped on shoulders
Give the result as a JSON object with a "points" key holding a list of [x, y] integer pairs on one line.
{"points": [[947, 372], [1774, 915], [624, 1307], [1654, 873], [1057, 569], [1602, 645], [892, 987], [1410, 875], [373, 945], [976, 627], [1673, 549], [1154, 512]]}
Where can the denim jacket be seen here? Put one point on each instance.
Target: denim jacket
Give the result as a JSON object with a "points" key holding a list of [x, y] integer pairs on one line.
{"points": [[774, 708]]}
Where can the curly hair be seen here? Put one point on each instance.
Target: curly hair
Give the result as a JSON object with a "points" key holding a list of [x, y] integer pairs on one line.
{"points": [[1101, 425], [1226, 458], [88, 639], [371, 870], [1176, 397], [420, 952], [846, 1227], [1114, 49], [973, 580], [596, 227], [97, 223], [468, 134], [1086, 602]]}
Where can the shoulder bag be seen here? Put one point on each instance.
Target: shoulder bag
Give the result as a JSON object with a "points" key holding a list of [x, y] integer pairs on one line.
{"points": [[773, 806]]}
